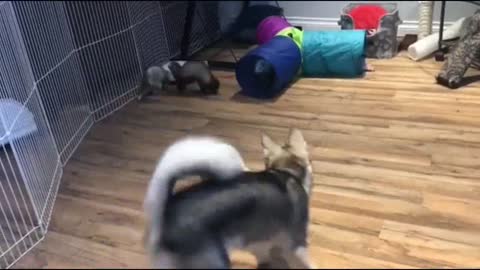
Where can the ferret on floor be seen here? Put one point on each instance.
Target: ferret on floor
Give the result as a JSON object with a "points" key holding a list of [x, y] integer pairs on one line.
{"points": [[194, 72], [181, 73], [154, 79]]}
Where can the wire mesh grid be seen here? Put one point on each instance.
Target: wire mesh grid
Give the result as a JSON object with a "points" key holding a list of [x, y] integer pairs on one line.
{"points": [[65, 65]]}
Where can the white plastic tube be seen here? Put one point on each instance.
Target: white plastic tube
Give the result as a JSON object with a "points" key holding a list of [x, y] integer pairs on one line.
{"points": [[429, 44], [425, 15]]}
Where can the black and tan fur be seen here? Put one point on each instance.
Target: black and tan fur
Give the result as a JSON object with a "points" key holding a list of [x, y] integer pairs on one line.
{"points": [[264, 212], [194, 72]]}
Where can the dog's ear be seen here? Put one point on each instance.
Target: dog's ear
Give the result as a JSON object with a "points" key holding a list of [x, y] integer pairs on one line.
{"points": [[270, 148], [297, 143]]}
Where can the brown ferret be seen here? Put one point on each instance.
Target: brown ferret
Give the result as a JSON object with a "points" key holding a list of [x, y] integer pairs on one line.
{"points": [[194, 72]]}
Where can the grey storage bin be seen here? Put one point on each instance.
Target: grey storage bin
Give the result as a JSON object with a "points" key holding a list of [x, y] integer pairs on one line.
{"points": [[382, 44]]}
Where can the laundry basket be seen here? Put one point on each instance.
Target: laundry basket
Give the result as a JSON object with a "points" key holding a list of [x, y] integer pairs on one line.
{"points": [[383, 44]]}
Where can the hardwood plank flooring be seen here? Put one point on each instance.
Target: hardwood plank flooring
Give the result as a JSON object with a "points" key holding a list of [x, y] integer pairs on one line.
{"points": [[396, 161]]}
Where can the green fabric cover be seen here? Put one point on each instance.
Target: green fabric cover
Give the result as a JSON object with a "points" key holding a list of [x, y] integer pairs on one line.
{"points": [[293, 33]]}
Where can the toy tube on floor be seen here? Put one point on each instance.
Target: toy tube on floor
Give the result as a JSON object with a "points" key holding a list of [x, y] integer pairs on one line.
{"points": [[334, 53], [280, 60], [270, 27], [428, 45], [293, 33]]}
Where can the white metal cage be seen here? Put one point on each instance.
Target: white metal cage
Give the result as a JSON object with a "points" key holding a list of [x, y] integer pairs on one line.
{"points": [[63, 67]]}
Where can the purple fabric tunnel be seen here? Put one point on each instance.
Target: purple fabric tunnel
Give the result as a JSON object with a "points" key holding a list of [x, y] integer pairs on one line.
{"points": [[269, 27]]}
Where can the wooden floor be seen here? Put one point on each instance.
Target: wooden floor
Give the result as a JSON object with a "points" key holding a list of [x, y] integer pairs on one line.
{"points": [[396, 160]]}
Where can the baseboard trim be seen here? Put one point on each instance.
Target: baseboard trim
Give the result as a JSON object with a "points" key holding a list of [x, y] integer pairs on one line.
{"points": [[326, 24]]}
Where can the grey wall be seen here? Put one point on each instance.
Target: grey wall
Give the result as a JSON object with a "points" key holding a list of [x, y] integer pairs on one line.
{"points": [[408, 9], [323, 15]]}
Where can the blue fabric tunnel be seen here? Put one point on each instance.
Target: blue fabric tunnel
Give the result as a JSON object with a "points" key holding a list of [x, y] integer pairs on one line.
{"points": [[334, 53], [267, 71]]}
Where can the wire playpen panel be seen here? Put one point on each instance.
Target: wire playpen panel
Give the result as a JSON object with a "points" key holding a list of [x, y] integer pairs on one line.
{"points": [[63, 67]]}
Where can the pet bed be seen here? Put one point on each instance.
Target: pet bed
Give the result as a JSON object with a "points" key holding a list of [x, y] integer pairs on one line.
{"points": [[17, 118]]}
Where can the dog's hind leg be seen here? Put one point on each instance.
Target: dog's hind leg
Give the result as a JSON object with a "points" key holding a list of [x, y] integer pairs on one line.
{"points": [[274, 260], [299, 258], [164, 260], [211, 256], [286, 258]]}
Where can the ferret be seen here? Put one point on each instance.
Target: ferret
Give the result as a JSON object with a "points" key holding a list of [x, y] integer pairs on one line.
{"points": [[182, 73], [154, 79], [194, 72]]}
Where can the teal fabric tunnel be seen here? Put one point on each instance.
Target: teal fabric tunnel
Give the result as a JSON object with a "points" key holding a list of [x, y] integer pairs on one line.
{"points": [[334, 53]]}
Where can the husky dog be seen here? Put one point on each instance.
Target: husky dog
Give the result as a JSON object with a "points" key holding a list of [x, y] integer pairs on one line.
{"points": [[265, 212]]}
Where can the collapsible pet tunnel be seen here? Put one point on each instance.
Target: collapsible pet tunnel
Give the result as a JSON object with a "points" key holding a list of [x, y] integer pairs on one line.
{"points": [[334, 53], [324, 53], [270, 27], [284, 56], [293, 33], [287, 49]]}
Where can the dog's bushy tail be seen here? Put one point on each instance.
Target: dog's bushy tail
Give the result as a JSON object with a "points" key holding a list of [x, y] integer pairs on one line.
{"points": [[204, 156]]}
